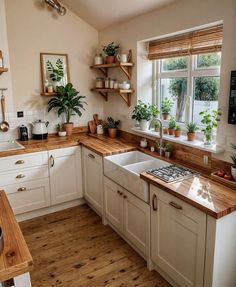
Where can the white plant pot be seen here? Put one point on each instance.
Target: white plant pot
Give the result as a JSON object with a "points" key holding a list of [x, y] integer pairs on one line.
{"points": [[144, 125], [233, 172]]}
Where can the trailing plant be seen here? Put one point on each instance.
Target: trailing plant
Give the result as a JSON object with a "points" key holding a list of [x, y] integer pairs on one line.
{"points": [[233, 156], [144, 111], [191, 127], [111, 123], [172, 123], [111, 49], [57, 72], [166, 105], [177, 128], [67, 102], [210, 121], [59, 128]]}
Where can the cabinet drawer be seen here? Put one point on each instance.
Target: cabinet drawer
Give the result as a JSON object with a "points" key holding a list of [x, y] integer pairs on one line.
{"points": [[28, 196], [23, 175], [23, 161]]}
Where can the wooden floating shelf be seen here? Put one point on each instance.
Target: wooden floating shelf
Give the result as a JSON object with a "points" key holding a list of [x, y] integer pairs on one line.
{"points": [[48, 94], [125, 94], [3, 70]]}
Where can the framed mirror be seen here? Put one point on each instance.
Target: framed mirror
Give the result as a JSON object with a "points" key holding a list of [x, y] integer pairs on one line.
{"points": [[54, 72]]}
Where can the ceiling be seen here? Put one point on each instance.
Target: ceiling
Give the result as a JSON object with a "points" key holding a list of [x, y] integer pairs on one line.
{"points": [[103, 13]]}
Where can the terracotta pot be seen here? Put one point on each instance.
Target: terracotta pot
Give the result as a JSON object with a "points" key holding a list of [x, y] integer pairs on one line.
{"points": [[68, 127], [165, 116], [165, 131], [110, 59], [157, 130], [233, 172], [112, 133], [177, 133], [171, 132], [191, 136]]}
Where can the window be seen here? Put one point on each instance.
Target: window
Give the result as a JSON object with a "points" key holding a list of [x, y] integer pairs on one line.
{"points": [[191, 82]]}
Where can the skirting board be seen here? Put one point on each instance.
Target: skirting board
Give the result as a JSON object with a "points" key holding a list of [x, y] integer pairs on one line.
{"points": [[48, 210]]}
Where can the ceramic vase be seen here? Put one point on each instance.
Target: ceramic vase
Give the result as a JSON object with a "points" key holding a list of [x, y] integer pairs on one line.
{"points": [[144, 125], [68, 127]]}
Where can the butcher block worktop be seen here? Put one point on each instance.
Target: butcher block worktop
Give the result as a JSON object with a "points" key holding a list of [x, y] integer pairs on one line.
{"points": [[202, 192], [15, 258]]}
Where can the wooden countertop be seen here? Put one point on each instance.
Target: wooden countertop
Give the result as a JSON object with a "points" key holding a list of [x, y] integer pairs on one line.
{"points": [[205, 194], [15, 258], [202, 193]]}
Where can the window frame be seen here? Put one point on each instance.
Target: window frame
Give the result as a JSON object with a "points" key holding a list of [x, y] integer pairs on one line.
{"points": [[191, 73]]}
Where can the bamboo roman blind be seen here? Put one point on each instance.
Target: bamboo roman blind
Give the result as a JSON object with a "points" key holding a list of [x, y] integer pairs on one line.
{"points": [[197, 42]]}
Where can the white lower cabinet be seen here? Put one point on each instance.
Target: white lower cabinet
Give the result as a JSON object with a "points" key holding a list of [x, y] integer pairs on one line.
{"points": [[178, 233], [65, 174], [93, 179], [128, 214]]}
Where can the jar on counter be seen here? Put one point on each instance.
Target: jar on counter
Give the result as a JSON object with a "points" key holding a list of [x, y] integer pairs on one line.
{"points": [[111, 84], [116, 85], [107, 83], [99, 83], [98, 59]]}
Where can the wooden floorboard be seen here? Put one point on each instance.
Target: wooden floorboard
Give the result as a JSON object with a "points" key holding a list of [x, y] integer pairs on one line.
{"points": [[72, 248]]}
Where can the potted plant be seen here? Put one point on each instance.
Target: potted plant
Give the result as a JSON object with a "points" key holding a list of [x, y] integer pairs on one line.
{"points": [[60, 130], [111, 125], [171, 126], [143, 113], [110, 51], [166, 108], [168, 150], [210, 121], [157, 127], [177, 131], [233, 167], [69, 103], [191, 131], [56, 73]]}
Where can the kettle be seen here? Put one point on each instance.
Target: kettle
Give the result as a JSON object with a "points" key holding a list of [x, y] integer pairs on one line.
{"points": [[39, 130]]}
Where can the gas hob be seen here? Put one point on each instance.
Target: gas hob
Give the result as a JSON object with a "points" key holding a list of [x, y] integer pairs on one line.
{"points": [[172, 173]]}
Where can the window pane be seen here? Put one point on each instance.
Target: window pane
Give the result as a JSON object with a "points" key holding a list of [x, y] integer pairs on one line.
{"points": [[206, 93], [174, 64], [210, 60], [176, 90]]}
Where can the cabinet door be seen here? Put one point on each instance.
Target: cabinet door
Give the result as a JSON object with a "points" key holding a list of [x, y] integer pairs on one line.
{"points": [[113, 202], [137, 222], [177, 238], [65, 174], [93, 179]]}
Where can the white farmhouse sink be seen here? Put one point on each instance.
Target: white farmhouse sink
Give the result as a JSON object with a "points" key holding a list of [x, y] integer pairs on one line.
{"points": [[125, 169], [10, 145]]}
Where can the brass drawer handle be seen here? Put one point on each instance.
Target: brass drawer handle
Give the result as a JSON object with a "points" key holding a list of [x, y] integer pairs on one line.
{"points": [[175, 205], [154, 202], [91, 155], [19, 161], [124, 196], [52, 160], [21, 189], [20, 176]]}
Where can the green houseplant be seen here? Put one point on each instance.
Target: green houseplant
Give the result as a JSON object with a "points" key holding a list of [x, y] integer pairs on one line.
{"points": [[67, 102], [112, 126], [166, 108], [177, 131], [171, 126], [233, 157], [143, 113], [56, 73], [110, 51], [168, 148], [210, 121], [191, 131]]}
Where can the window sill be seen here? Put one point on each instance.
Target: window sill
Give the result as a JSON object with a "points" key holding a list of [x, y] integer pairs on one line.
{"points": [[181, 140]]}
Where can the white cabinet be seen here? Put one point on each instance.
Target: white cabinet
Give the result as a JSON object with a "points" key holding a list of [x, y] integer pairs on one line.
{"points": [[65, 174], [93, 179], [128, 214], [177, 238], [25, 179]]}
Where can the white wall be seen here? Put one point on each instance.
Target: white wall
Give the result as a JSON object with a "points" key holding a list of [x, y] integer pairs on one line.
{"points": [[182, 15], [33, 28]]}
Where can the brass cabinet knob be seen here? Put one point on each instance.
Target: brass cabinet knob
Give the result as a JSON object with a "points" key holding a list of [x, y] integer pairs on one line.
{"points": [[20, 176], [21, 189], [19, 161]]}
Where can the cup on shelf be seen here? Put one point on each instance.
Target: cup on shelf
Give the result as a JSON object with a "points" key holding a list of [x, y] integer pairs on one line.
{"points": [[123, 58]]}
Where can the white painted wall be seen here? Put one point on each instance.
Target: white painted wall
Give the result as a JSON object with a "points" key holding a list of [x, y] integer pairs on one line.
{"points": [[31, 29], [179, 16]]}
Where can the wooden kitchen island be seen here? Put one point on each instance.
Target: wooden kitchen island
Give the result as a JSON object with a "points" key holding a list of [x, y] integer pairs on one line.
{"points": [[15, 259]]}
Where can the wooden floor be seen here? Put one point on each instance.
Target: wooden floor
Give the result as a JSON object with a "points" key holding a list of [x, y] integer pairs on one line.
{"points": [[72, 248]]}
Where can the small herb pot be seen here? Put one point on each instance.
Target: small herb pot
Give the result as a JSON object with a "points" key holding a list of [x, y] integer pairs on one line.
{"points": [[68, 127], [177, 133], [112, 132], [144, 125], [171, 132], [191, 136], [110, 59], [167, 154], [165, 116], [62, 134], [165, 131]]}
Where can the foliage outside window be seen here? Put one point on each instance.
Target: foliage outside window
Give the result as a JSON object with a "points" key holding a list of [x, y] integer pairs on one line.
{"points": [[191, 82]]}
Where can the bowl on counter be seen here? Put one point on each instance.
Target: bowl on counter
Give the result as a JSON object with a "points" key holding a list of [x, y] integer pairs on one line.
{"points": [[62, 134]]}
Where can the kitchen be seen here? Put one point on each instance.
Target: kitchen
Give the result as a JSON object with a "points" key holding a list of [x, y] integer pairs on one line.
{"points": [[146, 204]]}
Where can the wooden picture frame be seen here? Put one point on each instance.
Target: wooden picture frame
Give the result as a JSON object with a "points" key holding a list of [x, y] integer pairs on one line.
{"points": [[54, 72]]}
